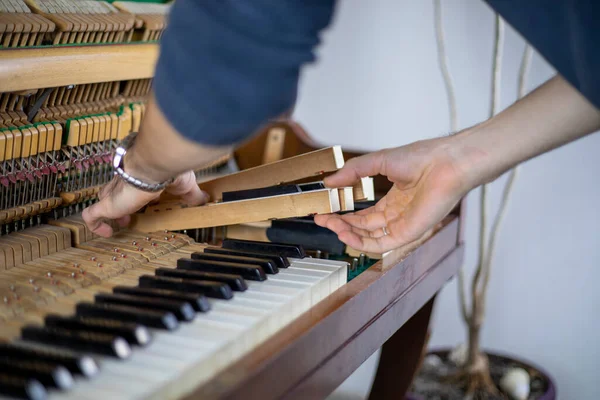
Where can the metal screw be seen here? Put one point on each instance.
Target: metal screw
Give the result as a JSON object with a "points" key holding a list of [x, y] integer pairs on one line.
{"points": [[5, 299], [114, 258], [123, 255], [99, 265], [354, 264], [76, 265], [154, 244], [116, 250], [49, 274], [134, 243], [73, 275], [36, 289], [140, 249], [11, 288], [148, 238], [94, 258], [31, 280]]}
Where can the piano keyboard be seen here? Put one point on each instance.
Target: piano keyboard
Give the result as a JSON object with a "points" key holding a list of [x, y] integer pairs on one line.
{"points": [[134, 317]]}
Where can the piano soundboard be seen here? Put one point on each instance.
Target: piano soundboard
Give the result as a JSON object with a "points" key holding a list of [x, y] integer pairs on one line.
{"points": [[206, 302]]}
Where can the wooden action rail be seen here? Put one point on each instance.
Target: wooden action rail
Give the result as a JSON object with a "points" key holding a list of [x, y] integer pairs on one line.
{"points": [[322, 201]]}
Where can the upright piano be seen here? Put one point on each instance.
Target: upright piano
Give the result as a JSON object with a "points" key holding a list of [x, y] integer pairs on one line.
{"points": [[214, 312]]}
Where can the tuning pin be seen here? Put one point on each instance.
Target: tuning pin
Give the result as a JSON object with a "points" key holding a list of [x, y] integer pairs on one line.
{"points": [[99, 265], [123, 255], [147, 238], [166, 238], [354, 264], [31, 280], [49, 274], [73, 275], [134, 243], [154, 244], [93, 258], [114, 258], [116, 249]]}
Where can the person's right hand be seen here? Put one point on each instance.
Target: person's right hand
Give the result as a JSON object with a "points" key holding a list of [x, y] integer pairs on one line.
{"points": [[428, 183]]}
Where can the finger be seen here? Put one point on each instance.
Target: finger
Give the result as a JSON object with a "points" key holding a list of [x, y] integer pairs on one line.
{"points": [[356, 168], [337, 224], [371, 221], [367, 244], [187, 189], [94, 219]]}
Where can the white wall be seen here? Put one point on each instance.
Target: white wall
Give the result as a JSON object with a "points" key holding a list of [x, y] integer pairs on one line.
{"points": [[377, 84]]}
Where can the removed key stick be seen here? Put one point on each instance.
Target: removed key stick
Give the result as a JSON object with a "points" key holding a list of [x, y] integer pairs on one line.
{"points": [[250, 272]]}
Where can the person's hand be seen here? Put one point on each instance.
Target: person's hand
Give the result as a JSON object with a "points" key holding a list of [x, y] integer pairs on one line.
{"points": [[428, 183], [118, 200]]}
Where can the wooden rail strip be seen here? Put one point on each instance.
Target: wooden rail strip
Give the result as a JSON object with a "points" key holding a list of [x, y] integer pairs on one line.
{"points": [[322, 201], [34, 68], [310, 166], [301, 349]]}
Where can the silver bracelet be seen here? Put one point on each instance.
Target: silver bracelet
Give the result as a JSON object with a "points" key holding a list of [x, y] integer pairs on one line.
{"points": [[120, 152]]}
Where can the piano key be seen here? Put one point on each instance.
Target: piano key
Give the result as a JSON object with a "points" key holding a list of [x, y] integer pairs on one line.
{"points": [[181, 309], [235, 282], [280, 262], [151, 318], [100, 343], [267, 265], [47, 374], [210, 289], [19, 387], [285, 250], [213, 340], [249, 272], [132, 332], [76, 363], [198, 301]]}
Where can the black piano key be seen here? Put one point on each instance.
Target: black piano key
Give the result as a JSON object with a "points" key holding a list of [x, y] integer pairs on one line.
{"points": [[99, 343], [76, 363], [12, 385], [256, 193], [267, 265], [181, 309], [216, 290], [152, 318], [235, 282], [198, 301], [250, 272], [279, 261], [47, 374], [285, 250], [132, 332]]}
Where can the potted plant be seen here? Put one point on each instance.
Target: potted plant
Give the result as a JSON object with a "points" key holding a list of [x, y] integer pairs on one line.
{"points": [[468, 371]]}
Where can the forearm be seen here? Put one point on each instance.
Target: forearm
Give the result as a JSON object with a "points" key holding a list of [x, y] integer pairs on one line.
{"points": [[549, 117], [160, 152]]}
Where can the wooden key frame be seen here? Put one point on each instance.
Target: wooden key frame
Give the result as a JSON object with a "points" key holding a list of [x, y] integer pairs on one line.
{"points": [[322, 201]]}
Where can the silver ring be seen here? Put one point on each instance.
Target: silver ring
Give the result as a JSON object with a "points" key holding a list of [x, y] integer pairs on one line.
{"points": [[385, 232]]}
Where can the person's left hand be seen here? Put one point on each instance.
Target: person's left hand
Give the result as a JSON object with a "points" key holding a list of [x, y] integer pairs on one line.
{"points": [[118, 200]]}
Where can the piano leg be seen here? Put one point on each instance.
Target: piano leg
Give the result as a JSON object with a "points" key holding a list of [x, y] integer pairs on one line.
{"points": [[401, 357]]}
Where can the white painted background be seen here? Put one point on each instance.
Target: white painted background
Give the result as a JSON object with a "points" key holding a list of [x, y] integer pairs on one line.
{"points": [[377, 84]]}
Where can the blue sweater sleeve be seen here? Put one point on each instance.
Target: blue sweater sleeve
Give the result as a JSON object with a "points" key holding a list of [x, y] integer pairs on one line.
{"points": [[227, 66], [565, 32]]}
